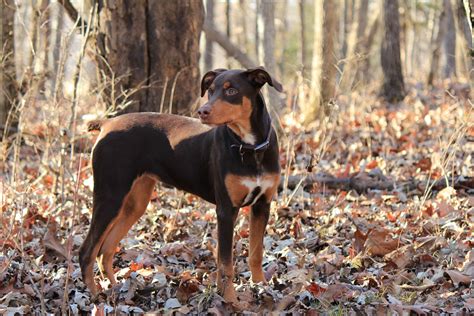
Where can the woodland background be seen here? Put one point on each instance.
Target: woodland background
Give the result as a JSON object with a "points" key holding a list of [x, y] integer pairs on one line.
{"points": [[375, 209]]}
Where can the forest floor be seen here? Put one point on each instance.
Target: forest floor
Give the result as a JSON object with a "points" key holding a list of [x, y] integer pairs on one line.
{"points": [[375, 214]]}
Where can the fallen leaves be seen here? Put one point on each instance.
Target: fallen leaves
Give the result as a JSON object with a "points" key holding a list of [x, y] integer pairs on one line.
{"points": [[375, 243]]}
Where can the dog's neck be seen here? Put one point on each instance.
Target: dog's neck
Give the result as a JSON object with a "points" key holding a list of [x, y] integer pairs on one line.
{"points": [[260, 121], [255, 129]]}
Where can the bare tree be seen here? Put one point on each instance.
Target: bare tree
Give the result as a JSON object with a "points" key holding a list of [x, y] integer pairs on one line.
{"points": [[355, 46], [393, 88], [449, 41], [209, 52], [363, 74], [464, 40], [155, 44], [436, 53], [228, 26], [324, 64], [304, 45], [268, 14], [258, 8], [7, 67]]}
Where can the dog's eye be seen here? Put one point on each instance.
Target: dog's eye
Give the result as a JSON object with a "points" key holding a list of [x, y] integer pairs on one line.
{"points": [[231, 91], [210, 91]]}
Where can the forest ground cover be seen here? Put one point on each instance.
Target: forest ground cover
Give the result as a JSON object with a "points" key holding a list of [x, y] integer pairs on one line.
{"points": [[375, 213]]}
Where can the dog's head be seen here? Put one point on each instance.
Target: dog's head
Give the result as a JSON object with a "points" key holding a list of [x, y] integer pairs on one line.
{"points": [[230, 93]]}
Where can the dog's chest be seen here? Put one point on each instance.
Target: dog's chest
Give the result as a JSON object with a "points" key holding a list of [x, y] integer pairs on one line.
{"points": [[247, 190]]}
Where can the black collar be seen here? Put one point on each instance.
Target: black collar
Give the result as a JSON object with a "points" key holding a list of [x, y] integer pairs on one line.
{"points": [[256, 150]]}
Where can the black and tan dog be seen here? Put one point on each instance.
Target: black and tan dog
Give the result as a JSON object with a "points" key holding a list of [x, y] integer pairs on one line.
{"points": [[232, 165]]}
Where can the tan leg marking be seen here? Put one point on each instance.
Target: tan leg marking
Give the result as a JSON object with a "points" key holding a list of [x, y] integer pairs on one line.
{"points": [[257, 231], [274, 178], [133, 207]]}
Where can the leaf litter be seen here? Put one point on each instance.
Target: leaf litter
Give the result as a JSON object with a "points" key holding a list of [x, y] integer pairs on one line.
{"points": [[375, 214]]}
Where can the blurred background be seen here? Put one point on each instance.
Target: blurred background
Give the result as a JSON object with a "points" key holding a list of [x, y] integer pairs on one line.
{"points": [[110, 57], [375, 128]]}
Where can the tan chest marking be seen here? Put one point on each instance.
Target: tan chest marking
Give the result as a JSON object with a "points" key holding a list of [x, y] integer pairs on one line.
{"points": [[240, 188]]}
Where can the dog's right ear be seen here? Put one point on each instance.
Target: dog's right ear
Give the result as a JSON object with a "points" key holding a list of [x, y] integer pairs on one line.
{"points": [[208, 78]]}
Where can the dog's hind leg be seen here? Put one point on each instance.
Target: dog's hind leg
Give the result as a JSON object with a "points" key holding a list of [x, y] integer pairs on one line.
{"points": [[133, 207], [103, 215]]}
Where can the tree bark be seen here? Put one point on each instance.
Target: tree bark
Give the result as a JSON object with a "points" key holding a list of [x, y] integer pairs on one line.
{"points": [[228, 27], [323, 72], [374, 28], [355, 47], [449, 41], [305, 64], [8, 91], [437, 48], [268, 14], [329, 53], [257, 30], [209, 52], [153, 45], [348, 13], [464, 40], [393, 88]]}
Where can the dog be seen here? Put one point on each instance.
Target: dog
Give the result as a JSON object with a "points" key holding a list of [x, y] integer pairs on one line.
{"points": [[229, 158]]}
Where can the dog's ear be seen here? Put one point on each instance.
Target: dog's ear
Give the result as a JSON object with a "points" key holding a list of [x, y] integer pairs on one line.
{"points": [[259, 76], [208, 78]]}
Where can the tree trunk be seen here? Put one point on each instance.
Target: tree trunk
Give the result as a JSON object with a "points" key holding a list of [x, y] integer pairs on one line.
{"points": [[243, 39], [268, 14], [209, 52], [348, 14], [155, 44], [323, 74], [393, 88], [228, 27], [328, 78], [449, 42], [7, 66], [305, 65], [257, 30], [374, 28], [355, 47], [464, 40], [437, 48], [56, 29]]}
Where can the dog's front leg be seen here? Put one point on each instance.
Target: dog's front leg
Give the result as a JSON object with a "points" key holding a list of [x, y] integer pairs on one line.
{"points": [[258, 222], [226, 217]]}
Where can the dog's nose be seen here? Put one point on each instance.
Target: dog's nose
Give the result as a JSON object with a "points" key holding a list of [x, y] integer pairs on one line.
{"points": [[204, 111]]}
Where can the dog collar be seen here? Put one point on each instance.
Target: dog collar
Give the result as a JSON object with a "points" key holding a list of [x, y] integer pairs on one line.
{"points": [[256, 150]]}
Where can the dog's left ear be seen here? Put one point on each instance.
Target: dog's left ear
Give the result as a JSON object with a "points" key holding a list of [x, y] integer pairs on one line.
{"points": [[259, 76], [208, 79]]}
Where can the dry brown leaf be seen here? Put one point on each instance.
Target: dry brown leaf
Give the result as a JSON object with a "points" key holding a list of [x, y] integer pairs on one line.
{"points": [[379, 242], [359, 241], [50, 242], [458, 277], [187, 287], [401, 256]]}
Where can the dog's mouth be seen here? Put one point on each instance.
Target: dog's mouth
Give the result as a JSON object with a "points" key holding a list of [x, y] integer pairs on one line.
{"points": [[209, 121]]}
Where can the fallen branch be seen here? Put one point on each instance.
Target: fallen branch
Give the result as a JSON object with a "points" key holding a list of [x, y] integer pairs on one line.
{"points": [[212, 34], [364, 181]]}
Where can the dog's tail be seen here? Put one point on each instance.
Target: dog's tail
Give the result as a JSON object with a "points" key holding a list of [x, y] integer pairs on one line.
{"points": [[95, 125]]}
